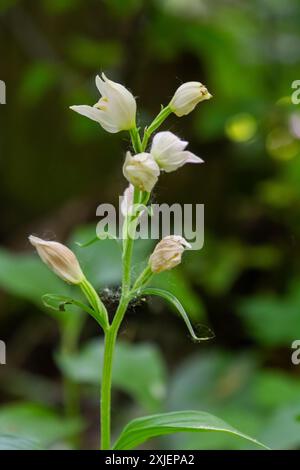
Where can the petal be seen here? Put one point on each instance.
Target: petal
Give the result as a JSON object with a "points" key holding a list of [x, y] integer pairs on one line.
{"points": [[192, 158], [164, 141], [100, 84], [88, 111], [108, 123]]}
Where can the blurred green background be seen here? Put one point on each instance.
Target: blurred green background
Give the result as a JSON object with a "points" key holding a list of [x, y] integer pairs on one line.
{"points": [[56, 167]]}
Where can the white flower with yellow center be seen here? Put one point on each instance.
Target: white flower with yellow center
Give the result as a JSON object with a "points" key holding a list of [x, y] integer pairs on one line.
{"points": [[116, 109]]}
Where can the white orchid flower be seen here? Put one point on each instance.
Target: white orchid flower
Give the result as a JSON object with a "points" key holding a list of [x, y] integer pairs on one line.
{"points": [[169, 152], [116, 109]]}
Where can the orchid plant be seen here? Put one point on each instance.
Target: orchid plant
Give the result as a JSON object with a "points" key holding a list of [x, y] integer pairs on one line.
{"points": [[116, 111]]}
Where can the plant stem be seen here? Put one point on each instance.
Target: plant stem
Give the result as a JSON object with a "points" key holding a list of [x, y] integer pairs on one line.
{"points": [[100, 312], [111, 331], [160, 118], [136, 140], [110, 341], [128, 242], [105, 402], [143, 278]]}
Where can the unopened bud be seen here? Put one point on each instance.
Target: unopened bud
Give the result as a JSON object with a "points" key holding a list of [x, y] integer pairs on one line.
{"points": [[141, 170], [167, 253], [187, 96], [60, 259]]}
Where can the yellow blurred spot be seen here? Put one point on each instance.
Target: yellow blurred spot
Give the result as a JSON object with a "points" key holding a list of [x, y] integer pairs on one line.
{"points": [[281, 145], [241, 127]]}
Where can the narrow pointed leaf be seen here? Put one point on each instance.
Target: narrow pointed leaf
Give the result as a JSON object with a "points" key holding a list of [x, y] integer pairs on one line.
{"points": [[142, 429], [179, 307], [62, 303], [98, 238]]}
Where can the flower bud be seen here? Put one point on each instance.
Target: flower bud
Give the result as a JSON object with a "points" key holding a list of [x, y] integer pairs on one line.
{"points": [[141, 170], [168, 151], [116, 109], [187, 96], [167, 253], [60, 259]]}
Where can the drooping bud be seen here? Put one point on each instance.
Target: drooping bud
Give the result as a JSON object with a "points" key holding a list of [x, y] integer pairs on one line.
{"points": [[187, 96], [169, 152], [116, 109], [141, 170], [59, 259], [167, 253]]}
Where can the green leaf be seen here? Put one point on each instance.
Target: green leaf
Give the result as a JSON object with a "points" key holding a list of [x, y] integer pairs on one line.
{"points": [[138, 369], [11, 442], [176, 282], [37, 422], [175, 302], [221, 383], [141, 429], [61, 303]]}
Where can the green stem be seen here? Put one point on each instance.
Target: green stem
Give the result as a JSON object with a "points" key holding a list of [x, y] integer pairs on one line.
{"points": [[128, 242], [160, 118], [99, 308], [143, 278], [136, 140], [111, 331], [110, 341]]}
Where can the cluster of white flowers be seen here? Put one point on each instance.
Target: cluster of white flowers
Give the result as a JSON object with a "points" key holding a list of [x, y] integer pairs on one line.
{"points": [[115, 112], [167, 153]]}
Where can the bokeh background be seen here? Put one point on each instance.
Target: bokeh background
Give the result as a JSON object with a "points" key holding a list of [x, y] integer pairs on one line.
{"points": [[56, 167]]}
